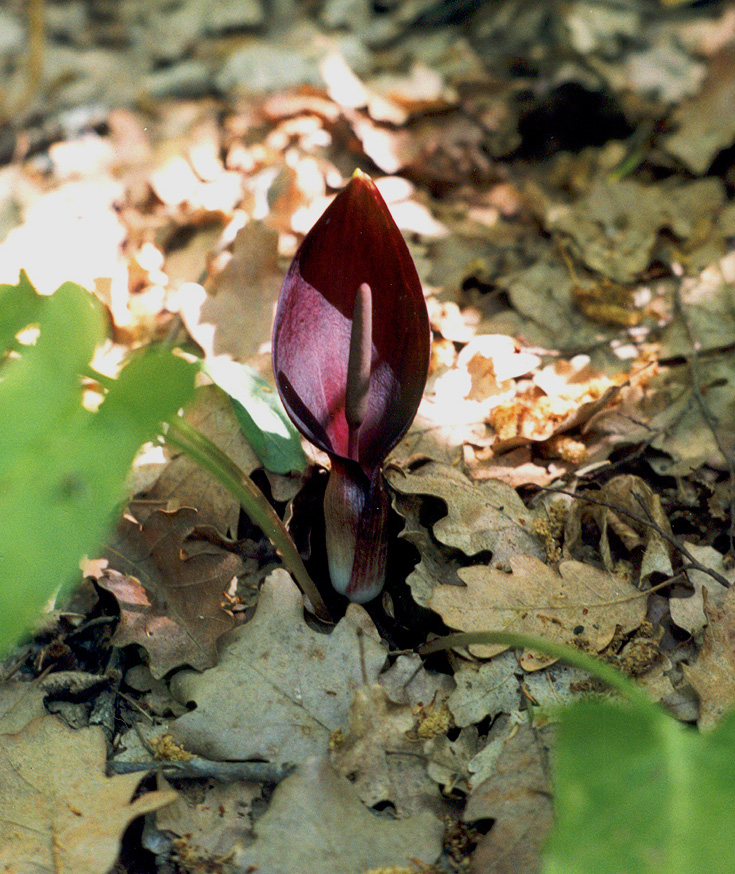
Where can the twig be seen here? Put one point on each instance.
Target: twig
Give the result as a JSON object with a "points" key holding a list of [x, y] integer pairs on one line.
{"points": [[197, 768], [669, 538]]}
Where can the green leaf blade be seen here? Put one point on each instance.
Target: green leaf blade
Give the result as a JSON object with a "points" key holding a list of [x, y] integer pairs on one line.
{"points": [[62, 467], [260, 413], [639, 793]]}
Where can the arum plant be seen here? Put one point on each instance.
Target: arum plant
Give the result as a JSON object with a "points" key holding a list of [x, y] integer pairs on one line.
{"points": [[350, 357]]}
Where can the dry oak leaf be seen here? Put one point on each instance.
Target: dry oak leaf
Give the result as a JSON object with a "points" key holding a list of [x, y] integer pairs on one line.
{"points": [[564, 396], [58, 810], [316, 823], [579, 603], [517, 797], [485, 516], [382, 756], [170, 603], [207, 822], [630, 505], [485, 690], [19, 704], [280, 687], [234, 317], [688, 613], [712, 676], [436, 566]]}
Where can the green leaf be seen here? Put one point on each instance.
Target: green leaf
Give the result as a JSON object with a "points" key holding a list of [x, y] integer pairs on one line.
{"points": [[62, 467], [639, 793], [19, 307], [261, 415]]}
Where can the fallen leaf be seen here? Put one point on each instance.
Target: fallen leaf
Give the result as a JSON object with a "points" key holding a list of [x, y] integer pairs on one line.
{"points": [[712, 676], [316, 822], [542, 295], [485, 690], [208, 825], [408, 682], [579, 602], [517, 468], [183, 483], [625, 497], [705, 123], [706, 305], [449, 759], [486, 516], [235, 316], [58, 810], [615, 228], [689, 613], [436, 564], [382, 756], [517, 796], [170, 604], [564, 396], [19, 704], [279, 688]]}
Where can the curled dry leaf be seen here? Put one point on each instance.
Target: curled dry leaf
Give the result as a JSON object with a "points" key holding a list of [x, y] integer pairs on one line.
{"points": [[631, 495], [170, 604], [577, 604], [564, 396]]}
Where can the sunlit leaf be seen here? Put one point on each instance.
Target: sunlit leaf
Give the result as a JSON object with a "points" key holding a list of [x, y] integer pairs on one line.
{"points": [[260, 413]]}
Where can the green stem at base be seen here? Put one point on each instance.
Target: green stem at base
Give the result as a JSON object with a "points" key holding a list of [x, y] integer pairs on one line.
{"points": [[209, 457]]}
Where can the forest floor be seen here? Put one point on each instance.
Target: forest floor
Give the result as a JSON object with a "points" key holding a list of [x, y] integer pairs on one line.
{"points": [[563, 175]]}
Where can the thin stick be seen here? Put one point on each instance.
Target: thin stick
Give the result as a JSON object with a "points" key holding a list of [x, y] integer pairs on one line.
{"points": [[195, 768]]}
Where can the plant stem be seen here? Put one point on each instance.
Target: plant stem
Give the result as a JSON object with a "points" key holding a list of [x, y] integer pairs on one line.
{"points": [[575, 657], [209, 457]]}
